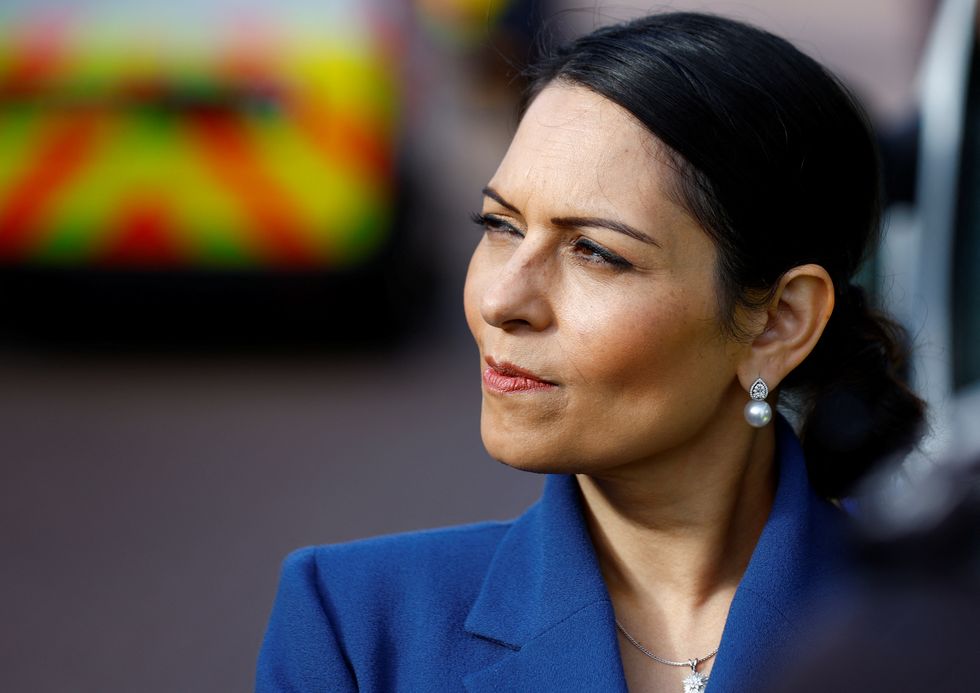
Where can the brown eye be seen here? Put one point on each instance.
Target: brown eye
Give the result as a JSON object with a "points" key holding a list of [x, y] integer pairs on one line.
{"points": [[596, 254]]}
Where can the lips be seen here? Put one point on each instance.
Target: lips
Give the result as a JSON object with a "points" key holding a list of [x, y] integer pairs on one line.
{"points": [[503, 378]]}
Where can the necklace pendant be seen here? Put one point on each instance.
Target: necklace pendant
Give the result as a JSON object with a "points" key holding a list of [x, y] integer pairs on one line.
{"points": [[695, 683]]}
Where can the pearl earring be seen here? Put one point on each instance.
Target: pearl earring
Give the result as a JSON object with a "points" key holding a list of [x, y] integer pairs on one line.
{"points": [[758, 412]]}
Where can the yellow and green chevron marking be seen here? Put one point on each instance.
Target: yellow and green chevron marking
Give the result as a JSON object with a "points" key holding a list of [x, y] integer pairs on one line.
{"points": [[138, 149]]}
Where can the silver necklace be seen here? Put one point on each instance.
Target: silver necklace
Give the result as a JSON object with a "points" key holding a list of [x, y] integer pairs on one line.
{"points": [[694, 683]]}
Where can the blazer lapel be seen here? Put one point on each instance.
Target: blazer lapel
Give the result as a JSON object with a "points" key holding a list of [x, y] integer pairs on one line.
{"points": [[800, 554], [576, 654], [544, 600]]}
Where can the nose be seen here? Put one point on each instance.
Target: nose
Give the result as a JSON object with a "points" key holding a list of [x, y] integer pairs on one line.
{"points": [[518, 296]]}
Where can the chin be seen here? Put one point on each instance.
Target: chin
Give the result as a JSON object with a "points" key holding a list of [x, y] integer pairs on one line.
{"points": [[527, 456]]}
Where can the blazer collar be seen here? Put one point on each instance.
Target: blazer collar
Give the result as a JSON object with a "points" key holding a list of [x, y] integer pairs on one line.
{"points": [[544, 598], [798, 562]]}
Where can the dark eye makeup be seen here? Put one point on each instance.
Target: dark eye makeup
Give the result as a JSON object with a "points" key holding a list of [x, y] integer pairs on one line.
{"points": [[490, 222], [590, 251], [593, 250]]}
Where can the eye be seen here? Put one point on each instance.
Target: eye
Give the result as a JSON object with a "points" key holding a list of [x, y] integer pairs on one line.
{"points": [[494, 224], [595, 254]]}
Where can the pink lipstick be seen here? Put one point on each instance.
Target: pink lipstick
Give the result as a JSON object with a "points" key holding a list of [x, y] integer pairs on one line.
{"points": [[505, 378]]}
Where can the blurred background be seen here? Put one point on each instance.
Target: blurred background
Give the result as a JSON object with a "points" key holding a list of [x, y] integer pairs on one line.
{"points": [[233, 237]]}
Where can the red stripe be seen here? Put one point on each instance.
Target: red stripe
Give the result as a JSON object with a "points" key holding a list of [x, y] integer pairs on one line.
{"points": [[228, 151], [347, 141], [61, 154], [143, 235]]}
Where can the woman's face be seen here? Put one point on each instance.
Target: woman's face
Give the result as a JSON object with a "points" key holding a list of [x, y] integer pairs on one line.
{"points": [[592, 298]]}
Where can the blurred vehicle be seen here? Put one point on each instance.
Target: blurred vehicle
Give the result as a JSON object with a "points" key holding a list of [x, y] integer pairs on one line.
{"points": [[929, 265], [202, 170]]}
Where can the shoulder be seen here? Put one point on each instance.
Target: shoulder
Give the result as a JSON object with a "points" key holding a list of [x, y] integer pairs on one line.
{"points": [[395, 576], [338, 606], [429, 543], [402, 558]]}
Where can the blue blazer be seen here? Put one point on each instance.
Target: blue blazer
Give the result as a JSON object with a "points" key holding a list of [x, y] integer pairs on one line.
{"points": [[521, 605]]}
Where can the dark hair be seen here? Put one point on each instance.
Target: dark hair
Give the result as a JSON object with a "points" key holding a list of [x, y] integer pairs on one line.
{"points": [[778, 164]]}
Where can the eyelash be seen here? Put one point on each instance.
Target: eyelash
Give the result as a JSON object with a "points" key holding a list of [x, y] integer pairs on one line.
{"points": [[492, 224]]}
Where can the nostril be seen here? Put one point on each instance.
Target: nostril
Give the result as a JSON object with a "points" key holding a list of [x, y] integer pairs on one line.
{"points": [[492, 311], [514, 324]]}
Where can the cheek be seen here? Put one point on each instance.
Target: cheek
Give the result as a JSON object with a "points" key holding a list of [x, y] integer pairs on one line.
{"points": [[642, 346], [473, 292]]}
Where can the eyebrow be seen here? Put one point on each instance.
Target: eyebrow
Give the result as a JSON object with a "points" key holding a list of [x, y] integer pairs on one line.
{"points": [[611, 224], [496, 196], [579, 222]]}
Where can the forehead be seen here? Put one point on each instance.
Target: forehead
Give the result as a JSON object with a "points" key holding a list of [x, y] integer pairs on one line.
{"points": [[579, 149]]}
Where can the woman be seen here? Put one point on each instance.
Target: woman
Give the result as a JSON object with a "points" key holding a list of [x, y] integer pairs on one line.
{"points": [[669, 243]]}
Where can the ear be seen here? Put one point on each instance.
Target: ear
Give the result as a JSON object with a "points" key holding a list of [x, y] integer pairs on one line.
{"points": [[795, 319]]}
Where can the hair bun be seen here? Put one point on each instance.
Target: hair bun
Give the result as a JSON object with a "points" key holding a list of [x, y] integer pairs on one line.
{"points": [[861, 411]]}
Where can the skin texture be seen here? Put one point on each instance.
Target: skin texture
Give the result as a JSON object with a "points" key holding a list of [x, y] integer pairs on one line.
{"points": [[647, 396]]}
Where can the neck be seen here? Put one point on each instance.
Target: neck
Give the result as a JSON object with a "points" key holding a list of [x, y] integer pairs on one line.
{"points": [[674, 535]]}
